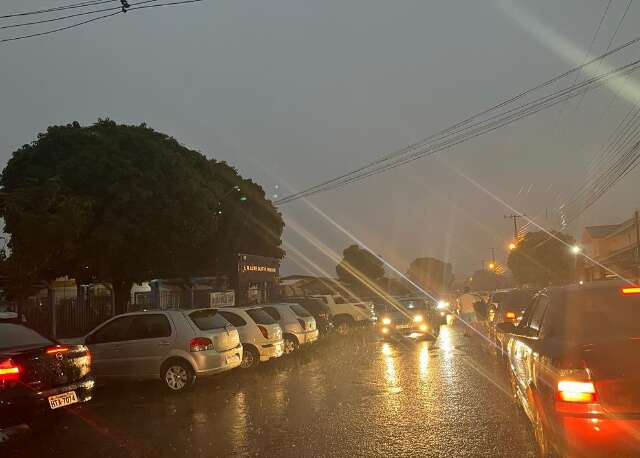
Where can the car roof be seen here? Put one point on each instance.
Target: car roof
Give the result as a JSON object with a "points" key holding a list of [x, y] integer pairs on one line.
{"points": [[591, 286]]}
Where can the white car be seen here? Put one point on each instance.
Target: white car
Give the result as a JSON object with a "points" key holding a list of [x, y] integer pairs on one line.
{"points": [[260, 334], [175, 346], [345, 314], [298, 325]]}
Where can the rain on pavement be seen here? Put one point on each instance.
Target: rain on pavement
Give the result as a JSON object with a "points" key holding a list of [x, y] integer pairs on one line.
{"points": [[357, 396]]}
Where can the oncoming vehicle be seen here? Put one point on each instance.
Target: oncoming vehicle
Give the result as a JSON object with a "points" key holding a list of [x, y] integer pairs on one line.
{"points": [[38, 376], [298, 326], [574, 368], [260, 334], [175, 346], [409, 317]]}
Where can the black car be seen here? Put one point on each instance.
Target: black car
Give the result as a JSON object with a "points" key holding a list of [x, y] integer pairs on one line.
{"points": [[39, 376], [320, 311], [409, 317], [506, 306]]}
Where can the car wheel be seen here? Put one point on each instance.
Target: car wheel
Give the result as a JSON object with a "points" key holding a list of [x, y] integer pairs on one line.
{"points": [[290, 345], [250, 358], [178, 376], [342, 328]]}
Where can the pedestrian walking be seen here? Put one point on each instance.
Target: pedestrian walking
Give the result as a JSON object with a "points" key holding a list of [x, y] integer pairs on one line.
{"points": [[467, 310]]}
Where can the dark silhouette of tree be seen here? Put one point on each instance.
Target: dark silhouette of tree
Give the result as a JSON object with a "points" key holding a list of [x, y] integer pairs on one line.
{"points": [[431, 274], [541, 259], [121, 204], [359, 266], [487, 280]]}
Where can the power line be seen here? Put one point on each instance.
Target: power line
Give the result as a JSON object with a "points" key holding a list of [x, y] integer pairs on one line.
{"points": [[59, 8], [490, 124], [106, 16]]}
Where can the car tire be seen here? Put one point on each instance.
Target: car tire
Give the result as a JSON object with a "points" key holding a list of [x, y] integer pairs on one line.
{"points": [[342, 327], [250, 358], [177, 376], [290, 345]]}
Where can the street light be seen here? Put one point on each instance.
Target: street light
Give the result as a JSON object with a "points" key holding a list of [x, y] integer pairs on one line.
{"points": [[492, 266], [512, 246], [575, 249]]}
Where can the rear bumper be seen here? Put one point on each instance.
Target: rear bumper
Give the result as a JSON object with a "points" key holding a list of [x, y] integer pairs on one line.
{"points": [[307, 336], [271, 350], [600, 436], [210, 362], [22, 405]]}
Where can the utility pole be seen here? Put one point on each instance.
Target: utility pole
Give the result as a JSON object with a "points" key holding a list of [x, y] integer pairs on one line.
{"points": [[515, 225], [637, 218]]}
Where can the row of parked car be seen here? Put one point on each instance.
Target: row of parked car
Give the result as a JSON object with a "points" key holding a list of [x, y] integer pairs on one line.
{"points": [[39, 375], [572, 356]]}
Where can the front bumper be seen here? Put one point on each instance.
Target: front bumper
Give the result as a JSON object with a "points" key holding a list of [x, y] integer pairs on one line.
{"points": [[20, 405], [271, 350], [211, 362]]}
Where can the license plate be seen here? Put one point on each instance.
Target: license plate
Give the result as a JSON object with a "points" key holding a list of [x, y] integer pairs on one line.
{"points": [[403, 326], [64, 399]]}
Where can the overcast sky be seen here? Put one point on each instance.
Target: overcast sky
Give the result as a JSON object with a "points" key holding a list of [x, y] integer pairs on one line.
{"points": [[293, 92]]}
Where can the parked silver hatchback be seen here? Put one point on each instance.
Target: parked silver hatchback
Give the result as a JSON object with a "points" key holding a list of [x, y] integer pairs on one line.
{"points": [[176, 346], [298, 325]]}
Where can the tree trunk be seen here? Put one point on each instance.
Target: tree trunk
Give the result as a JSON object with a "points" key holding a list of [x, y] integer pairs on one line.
{"points": [[121, 293]]}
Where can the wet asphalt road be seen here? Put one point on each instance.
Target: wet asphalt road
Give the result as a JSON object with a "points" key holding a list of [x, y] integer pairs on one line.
{"points": [[354, 396]]}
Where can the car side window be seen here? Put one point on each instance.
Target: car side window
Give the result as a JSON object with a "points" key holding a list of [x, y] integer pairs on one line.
{"points": [[272, 312], [526, 318], [114, 331], [149, 327], [538, 314], [234, 319]]}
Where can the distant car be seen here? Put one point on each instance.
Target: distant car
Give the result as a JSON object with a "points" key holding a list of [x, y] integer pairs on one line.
{"points": [[260, 334], [574, 366], [506, 306], [346, 315], [298, 325], [175, 346], [39, 376], [318, 309], [409, 317]]}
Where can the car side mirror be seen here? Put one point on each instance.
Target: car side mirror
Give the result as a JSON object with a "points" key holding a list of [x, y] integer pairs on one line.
{"points": [[506, 327]]}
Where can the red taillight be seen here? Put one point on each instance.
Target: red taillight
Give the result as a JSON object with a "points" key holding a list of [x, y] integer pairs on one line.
{"points": [[572, 391], [9, 371], [510, 316], [57, 349], [201, 344], [302, 324], [264, 332], [631, 291]]}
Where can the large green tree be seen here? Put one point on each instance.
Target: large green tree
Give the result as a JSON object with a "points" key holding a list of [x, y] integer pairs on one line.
{"points": [[431, 274], [541, 259], [359, 266], [120, 204]]}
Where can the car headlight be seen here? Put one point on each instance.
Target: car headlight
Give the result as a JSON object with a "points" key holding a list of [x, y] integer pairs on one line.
{"points": [[386, 321], [443, 305], [417, 318], [424, 327], [442, 314]]}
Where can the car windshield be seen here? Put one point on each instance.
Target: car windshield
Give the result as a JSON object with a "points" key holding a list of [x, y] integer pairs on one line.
{"points": [[16, 336], [299, 310], [207, 320], [260, 316], [599, 314]]}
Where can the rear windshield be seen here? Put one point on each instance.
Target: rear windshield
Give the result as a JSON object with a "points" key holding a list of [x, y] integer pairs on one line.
{"points": [[260, 316], [516, 300], [299, 310], [598, 314], [14, 336], [206, 320]]}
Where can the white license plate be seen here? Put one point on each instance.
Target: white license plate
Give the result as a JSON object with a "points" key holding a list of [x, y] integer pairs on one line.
{"points": [[64, 399], [403, 326]]}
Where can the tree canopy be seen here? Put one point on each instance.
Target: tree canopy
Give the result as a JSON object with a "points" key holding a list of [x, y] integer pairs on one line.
{"points": [[541, 259], [359, 265], [431, 274], [120, 204]]}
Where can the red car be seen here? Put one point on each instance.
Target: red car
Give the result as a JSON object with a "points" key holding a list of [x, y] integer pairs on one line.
{"points": [[574, 366]]}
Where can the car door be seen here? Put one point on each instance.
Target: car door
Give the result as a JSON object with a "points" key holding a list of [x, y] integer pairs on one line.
{"points": [[105, 344], [148, 342]]}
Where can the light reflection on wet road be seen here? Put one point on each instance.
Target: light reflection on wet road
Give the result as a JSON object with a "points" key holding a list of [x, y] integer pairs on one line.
{"points": [[354, 396]]}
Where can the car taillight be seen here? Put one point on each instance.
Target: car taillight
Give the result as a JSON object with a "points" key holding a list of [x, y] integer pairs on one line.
{"points": [[9, 371], [510, 316], [301, 324], [201, 344], [573, 391], [634, 290], [57, 349], [264, 332]]}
